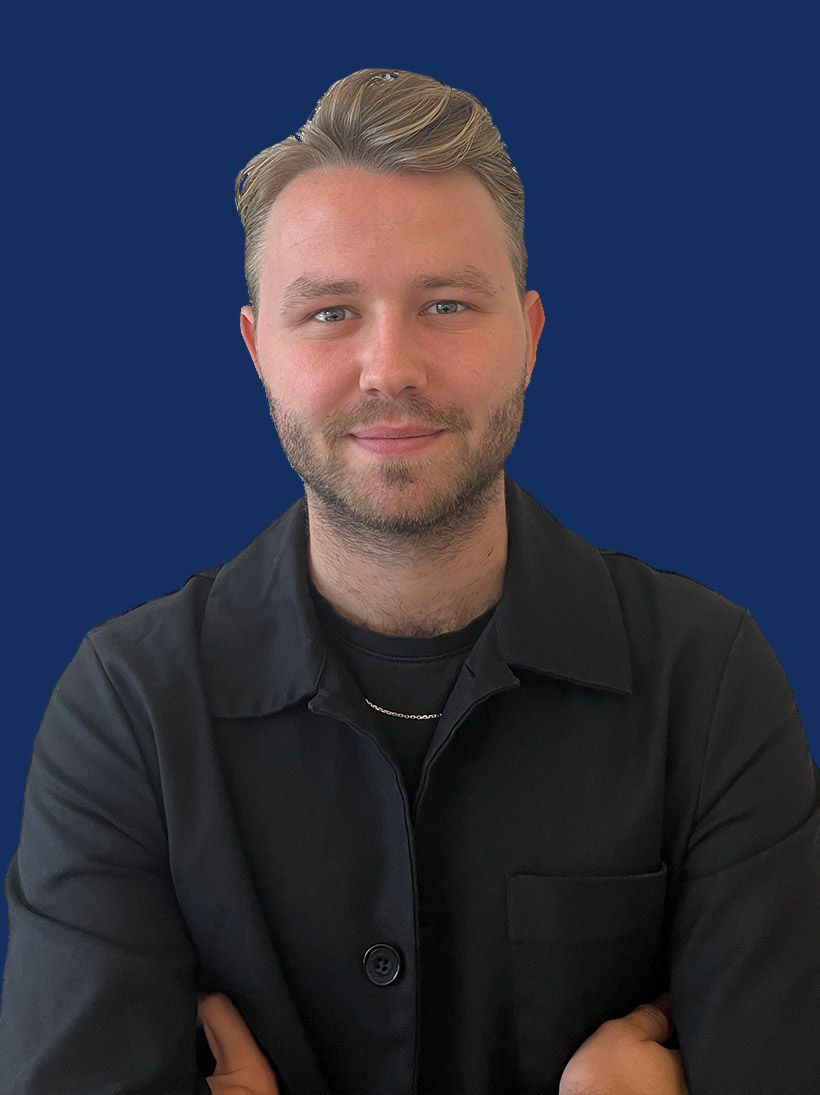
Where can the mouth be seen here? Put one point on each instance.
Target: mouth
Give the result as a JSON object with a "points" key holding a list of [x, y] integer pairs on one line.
{"points": [[395, 440], [394, 432]]}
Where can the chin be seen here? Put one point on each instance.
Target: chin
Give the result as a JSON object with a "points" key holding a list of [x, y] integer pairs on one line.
{"points": [[401, 501]]}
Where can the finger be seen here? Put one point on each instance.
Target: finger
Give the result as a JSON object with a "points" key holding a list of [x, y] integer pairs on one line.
{"points": [[232, 1044], [664, 1002], [653, 1021]]}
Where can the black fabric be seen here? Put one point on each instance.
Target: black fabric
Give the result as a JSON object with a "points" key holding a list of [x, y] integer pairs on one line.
{"points": [[618, 798], [401, 673]]}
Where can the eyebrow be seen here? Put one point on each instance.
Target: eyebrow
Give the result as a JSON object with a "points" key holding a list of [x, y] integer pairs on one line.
{"points": [[308, 288]]}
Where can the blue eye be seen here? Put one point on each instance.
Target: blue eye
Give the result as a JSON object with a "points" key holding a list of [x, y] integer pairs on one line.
{"points": [[330, 315], [447, 307]]}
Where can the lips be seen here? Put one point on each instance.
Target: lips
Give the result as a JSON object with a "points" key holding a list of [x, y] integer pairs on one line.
{"points": [[392, 432], [386, 441]]}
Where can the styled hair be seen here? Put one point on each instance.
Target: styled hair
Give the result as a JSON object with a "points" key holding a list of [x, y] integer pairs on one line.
{"points": [[386, 121]]}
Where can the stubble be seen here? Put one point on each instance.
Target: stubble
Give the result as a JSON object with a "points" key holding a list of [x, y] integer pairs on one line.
{"points": [[403, 503]]}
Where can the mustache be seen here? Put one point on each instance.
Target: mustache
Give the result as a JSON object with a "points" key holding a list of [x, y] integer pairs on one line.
{"points": [[419, 411]]}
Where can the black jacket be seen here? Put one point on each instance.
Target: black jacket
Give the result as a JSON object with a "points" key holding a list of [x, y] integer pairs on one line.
{"points": [[618, 797]]}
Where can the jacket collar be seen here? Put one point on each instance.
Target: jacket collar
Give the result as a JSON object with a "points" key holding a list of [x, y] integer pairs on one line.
{"points": [[559, 614]]}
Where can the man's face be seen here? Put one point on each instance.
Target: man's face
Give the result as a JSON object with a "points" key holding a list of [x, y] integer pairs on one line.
{"points": [[392, 343]]}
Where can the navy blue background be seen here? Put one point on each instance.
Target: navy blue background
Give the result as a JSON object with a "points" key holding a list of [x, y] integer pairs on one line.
{"points": [[667, 155]]}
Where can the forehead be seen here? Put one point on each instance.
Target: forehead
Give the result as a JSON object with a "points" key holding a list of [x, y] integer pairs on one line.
{"points": [[348, 222]]}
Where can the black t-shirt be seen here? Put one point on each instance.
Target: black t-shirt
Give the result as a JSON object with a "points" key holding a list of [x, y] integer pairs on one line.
{"points": [[403, 674]]}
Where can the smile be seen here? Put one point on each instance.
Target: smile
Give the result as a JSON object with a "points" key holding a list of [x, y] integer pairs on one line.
{"points": [[392, 441]]}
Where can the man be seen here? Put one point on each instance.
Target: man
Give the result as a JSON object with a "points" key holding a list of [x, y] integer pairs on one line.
{"points": [[426, 786]]}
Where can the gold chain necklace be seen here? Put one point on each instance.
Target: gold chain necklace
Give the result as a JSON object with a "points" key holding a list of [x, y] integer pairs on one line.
{"points": [[399, 714]]}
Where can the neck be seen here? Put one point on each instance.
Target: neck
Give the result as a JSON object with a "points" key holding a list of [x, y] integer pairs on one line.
{"points": [[425, 586]]}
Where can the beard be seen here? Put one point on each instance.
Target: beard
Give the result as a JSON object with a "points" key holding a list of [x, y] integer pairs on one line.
{"points": [[418, 500]]}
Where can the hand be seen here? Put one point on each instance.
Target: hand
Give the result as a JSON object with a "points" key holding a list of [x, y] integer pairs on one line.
{"points": [[625, 1056], [241, 1066]]}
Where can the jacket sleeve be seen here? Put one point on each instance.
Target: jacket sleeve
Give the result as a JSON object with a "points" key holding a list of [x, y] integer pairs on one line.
{"points": [[99, 992], [745, 940]]}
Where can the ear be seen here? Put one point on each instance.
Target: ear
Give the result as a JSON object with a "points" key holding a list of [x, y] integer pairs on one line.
{"points": [[248, 329], [534, 320]]}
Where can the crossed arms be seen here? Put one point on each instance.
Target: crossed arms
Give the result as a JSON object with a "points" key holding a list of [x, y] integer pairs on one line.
{"points": [[100, 983], [623, 1057]]}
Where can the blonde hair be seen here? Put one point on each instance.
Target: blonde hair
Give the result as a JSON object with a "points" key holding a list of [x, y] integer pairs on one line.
{"points": [[385, 120]]}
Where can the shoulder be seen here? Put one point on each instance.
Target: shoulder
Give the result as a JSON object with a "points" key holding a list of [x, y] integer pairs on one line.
{"points": [[176, 610], [673, 617], [656, 605], [694, 635], [133, 663], [676, 596], [172, 624], [169, 622]]}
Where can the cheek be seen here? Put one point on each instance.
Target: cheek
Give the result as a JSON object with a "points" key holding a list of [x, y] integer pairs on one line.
{"points": [[309, 382], [492, 354], [480, 379]]}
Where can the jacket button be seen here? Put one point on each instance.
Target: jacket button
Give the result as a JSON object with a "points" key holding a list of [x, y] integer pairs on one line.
{"points": [[382, 964]]}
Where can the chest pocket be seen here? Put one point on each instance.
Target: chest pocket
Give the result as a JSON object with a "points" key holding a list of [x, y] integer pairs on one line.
{"points": [[582, 949]]}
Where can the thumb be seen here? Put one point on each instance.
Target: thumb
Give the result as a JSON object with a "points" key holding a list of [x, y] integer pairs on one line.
{"points": [[232, 1044], [654, 1021]]}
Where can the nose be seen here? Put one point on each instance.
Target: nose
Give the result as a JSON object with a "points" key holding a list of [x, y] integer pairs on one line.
{"points": [[392, 361]]}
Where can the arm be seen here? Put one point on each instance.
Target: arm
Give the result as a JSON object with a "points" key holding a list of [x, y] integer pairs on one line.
{"points": [[623, 1057], [745, 941], [99, 991]]}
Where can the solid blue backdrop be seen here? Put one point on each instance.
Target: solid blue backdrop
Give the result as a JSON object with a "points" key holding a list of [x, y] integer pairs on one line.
{"points": [[673, 232]]}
